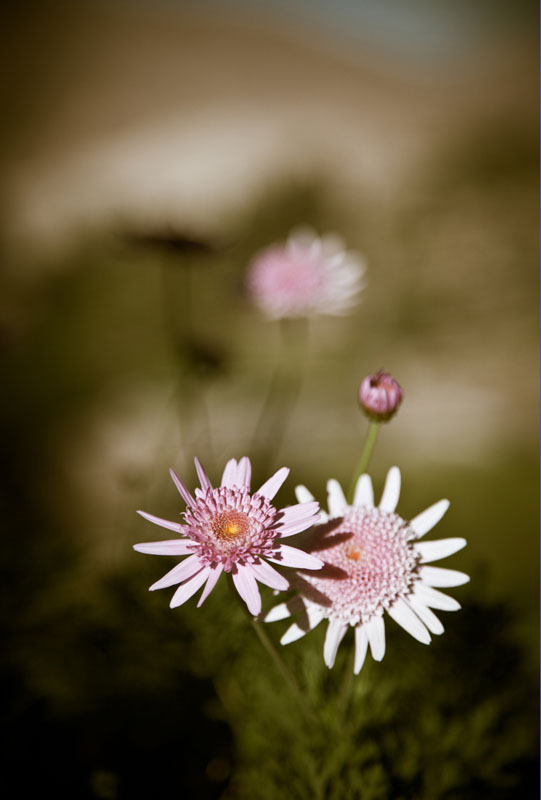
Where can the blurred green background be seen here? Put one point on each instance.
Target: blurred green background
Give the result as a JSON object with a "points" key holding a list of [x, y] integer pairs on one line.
{"points": [[148, 151]]}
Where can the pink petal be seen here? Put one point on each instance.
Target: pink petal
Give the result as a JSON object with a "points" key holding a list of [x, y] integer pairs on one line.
{"points": [[163, 523], [299, 511], [211, 583], [183, 491], [186, 569], [230, 474], [244, 472], [290, 528], [237, 474], [202, 475], [246, 586], [269, 576], [189, 588], [171, 547], [293, 557], [271, 486]]}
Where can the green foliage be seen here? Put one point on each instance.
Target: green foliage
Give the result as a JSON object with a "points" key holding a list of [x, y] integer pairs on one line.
{"points": [[449, 721]]}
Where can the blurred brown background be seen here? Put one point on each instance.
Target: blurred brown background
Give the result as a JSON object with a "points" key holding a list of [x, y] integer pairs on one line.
{"points": [[412, 132]]}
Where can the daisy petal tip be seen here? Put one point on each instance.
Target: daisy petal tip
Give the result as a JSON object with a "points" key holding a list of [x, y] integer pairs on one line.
{"points": [[429, 518], [364, 492], [303, 495], [270, 488]]}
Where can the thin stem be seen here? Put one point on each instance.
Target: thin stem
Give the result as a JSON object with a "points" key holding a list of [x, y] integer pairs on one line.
{"points": [[283, 390], [368, 447], [284, 670]]}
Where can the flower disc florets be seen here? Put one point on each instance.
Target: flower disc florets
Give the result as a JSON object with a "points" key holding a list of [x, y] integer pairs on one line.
{"points": [[369, 562], [230, 525]]}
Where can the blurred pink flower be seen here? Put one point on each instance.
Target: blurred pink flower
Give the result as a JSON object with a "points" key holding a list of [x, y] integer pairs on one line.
{"points": [[227, 529], [380, 396], [373, 564], [305, 276]]}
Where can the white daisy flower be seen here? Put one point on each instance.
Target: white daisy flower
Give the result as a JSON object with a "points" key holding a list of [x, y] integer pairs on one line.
{"points": [[373, 563]]}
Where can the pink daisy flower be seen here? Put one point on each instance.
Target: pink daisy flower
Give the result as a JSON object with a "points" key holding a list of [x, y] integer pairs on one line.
{"points": [[227, 529], [374, 566], [305, 276]]}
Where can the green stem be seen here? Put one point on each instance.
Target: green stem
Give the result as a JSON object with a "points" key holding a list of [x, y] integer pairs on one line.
{"points": [[284, 670], [368, 446], [283, 391]]}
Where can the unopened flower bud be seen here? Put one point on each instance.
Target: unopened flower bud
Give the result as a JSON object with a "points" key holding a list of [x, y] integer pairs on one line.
{"points": [[380, 396]]}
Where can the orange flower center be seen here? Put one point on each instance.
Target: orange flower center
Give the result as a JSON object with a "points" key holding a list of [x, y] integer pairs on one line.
{"points": [[354, 554]]}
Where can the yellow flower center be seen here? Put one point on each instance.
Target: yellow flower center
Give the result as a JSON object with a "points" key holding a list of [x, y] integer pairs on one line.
{"points": [[230, 525]]}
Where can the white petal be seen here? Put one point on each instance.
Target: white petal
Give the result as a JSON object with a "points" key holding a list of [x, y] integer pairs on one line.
{"points": [[426, 520], [375, 630], [284, 610], [211, 583], [170, 547], [364, 492], [303, 495], [186, 569], [404, 616], [335, 633], [361, 646], [246, 586], [437, 576], [435, 599], [391, 491], [189, 588], [314, 614], [425, 614], [293, 633], [269, 576], [336, 499], [293, 557], [163, 523], [432, 551], [271, 486], [308, 620]]}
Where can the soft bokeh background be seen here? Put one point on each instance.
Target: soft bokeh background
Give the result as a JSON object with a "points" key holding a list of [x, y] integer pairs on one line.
{"points": [[131, 128]]}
